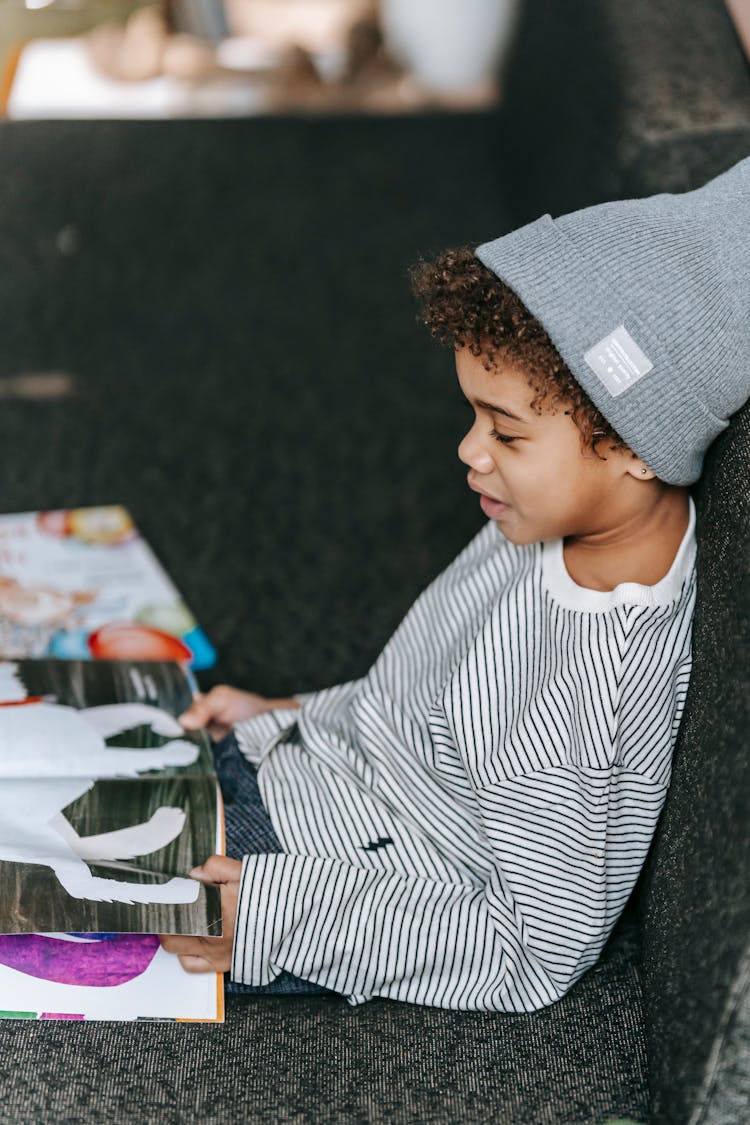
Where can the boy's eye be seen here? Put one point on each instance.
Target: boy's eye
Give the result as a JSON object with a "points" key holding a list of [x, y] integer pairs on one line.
{"points": [[504, 438]]}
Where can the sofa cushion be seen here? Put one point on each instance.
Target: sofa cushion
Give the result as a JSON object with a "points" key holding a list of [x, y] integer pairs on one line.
{"points": [[252, 382], [694, 894], [578, 1062], [606, 100], [724, 1096]]}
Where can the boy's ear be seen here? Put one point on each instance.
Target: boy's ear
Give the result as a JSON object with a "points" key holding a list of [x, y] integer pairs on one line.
{"points": [[637, 468], [629, 463]]}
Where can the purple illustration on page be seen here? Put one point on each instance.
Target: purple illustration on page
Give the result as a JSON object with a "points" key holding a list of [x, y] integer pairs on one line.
{"points": [[93, 960]]}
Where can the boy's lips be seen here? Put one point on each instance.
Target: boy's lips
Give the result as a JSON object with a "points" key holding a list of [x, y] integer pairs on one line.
{"points": [[490, 505]]}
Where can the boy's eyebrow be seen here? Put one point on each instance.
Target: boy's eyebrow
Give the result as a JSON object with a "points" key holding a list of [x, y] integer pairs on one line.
{"points": [[497, 409]]}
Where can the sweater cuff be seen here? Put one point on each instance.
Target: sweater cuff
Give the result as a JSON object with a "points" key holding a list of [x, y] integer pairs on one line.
{"points": [[256, 737], [278, 897]]}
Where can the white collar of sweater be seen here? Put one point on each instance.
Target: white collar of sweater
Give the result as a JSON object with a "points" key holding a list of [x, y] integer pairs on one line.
{"points": [[557, 581]]}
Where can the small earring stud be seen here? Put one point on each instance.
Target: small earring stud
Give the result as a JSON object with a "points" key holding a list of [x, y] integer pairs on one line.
{"points": [[644, 470]]}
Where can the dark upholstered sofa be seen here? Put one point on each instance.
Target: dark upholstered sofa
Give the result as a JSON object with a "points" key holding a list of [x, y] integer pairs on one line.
{"points": [[231, 300]]}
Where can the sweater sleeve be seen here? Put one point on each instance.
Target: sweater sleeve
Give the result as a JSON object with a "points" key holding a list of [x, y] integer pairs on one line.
{"points": [[567, 843], [257, 737]]}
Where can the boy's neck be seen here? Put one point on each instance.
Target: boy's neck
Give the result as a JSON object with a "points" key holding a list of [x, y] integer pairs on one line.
{"points": [[640, 549]]}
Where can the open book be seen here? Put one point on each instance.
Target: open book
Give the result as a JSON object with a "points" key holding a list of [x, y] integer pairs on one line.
{"points": [[105, 806]]}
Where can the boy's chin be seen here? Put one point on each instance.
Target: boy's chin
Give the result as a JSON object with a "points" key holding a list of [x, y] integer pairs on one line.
{"points": [[519, 536], [507, 529]]}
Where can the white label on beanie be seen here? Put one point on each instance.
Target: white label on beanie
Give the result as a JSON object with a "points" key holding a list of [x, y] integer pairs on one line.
{"points": [[618, 361]]}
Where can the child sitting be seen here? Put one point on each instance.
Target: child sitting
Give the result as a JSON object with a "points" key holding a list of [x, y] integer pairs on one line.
{"points": [[463, 826]]}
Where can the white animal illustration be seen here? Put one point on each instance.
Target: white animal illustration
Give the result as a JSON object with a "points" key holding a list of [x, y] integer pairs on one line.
{"points": [[52, 754]]}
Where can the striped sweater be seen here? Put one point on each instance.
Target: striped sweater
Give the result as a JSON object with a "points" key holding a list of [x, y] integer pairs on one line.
{"points": [[463, 825]]}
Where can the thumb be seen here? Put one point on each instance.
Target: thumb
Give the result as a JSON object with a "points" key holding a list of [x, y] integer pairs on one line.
{"points": [[218, 869], [198, 713]]}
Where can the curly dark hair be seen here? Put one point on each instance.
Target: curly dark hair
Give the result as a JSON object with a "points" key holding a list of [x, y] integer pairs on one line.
{"points": [[464, 304]]}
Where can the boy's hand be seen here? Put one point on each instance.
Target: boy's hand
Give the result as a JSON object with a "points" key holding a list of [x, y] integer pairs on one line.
{"points": [[212, 954], [220, 708]]}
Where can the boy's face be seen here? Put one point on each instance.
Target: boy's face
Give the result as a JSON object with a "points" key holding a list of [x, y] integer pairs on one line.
{"points": [[534, 476]]}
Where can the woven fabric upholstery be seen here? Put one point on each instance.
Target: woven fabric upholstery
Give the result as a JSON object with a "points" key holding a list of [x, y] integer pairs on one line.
{"points": [[725, 1094], [580, 1061], [607, 100], [695, 896]]}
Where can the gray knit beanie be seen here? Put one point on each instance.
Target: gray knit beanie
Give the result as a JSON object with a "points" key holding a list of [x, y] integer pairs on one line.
{"points": [[648, 303]]}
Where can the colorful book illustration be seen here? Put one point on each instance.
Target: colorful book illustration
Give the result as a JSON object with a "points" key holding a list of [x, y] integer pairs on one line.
{"points": [[102, 977], [81, 583], [105, 806]]}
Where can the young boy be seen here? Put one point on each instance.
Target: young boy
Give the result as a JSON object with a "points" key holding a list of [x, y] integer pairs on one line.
{"points": [[463, 826]]}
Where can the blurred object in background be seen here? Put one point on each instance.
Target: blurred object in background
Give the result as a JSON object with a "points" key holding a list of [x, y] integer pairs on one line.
{"points": [[452, 47], [147, 47], [22, 21], [205, 18], [320, 28], [739, 10], [177, 58]]}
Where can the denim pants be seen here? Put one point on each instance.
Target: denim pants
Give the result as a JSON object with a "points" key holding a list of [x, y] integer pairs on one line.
{"points": [[249, 830]]}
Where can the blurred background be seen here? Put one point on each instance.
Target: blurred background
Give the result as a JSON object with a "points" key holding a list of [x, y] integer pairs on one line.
{"points": [[130, 58]]}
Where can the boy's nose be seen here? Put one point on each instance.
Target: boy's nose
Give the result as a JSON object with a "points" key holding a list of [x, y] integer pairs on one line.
{"points": [[471, 452]]}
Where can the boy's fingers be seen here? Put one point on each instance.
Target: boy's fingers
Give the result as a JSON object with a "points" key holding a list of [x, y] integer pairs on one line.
{"points": [[218, 869], [177, 943], [209, 709], [188, 945], [197, 714], [198, 955], [192, 964], [202, 713]]}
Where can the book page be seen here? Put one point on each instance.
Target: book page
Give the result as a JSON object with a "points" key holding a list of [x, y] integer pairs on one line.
{"points": [[104, 976], [105, 803]]}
